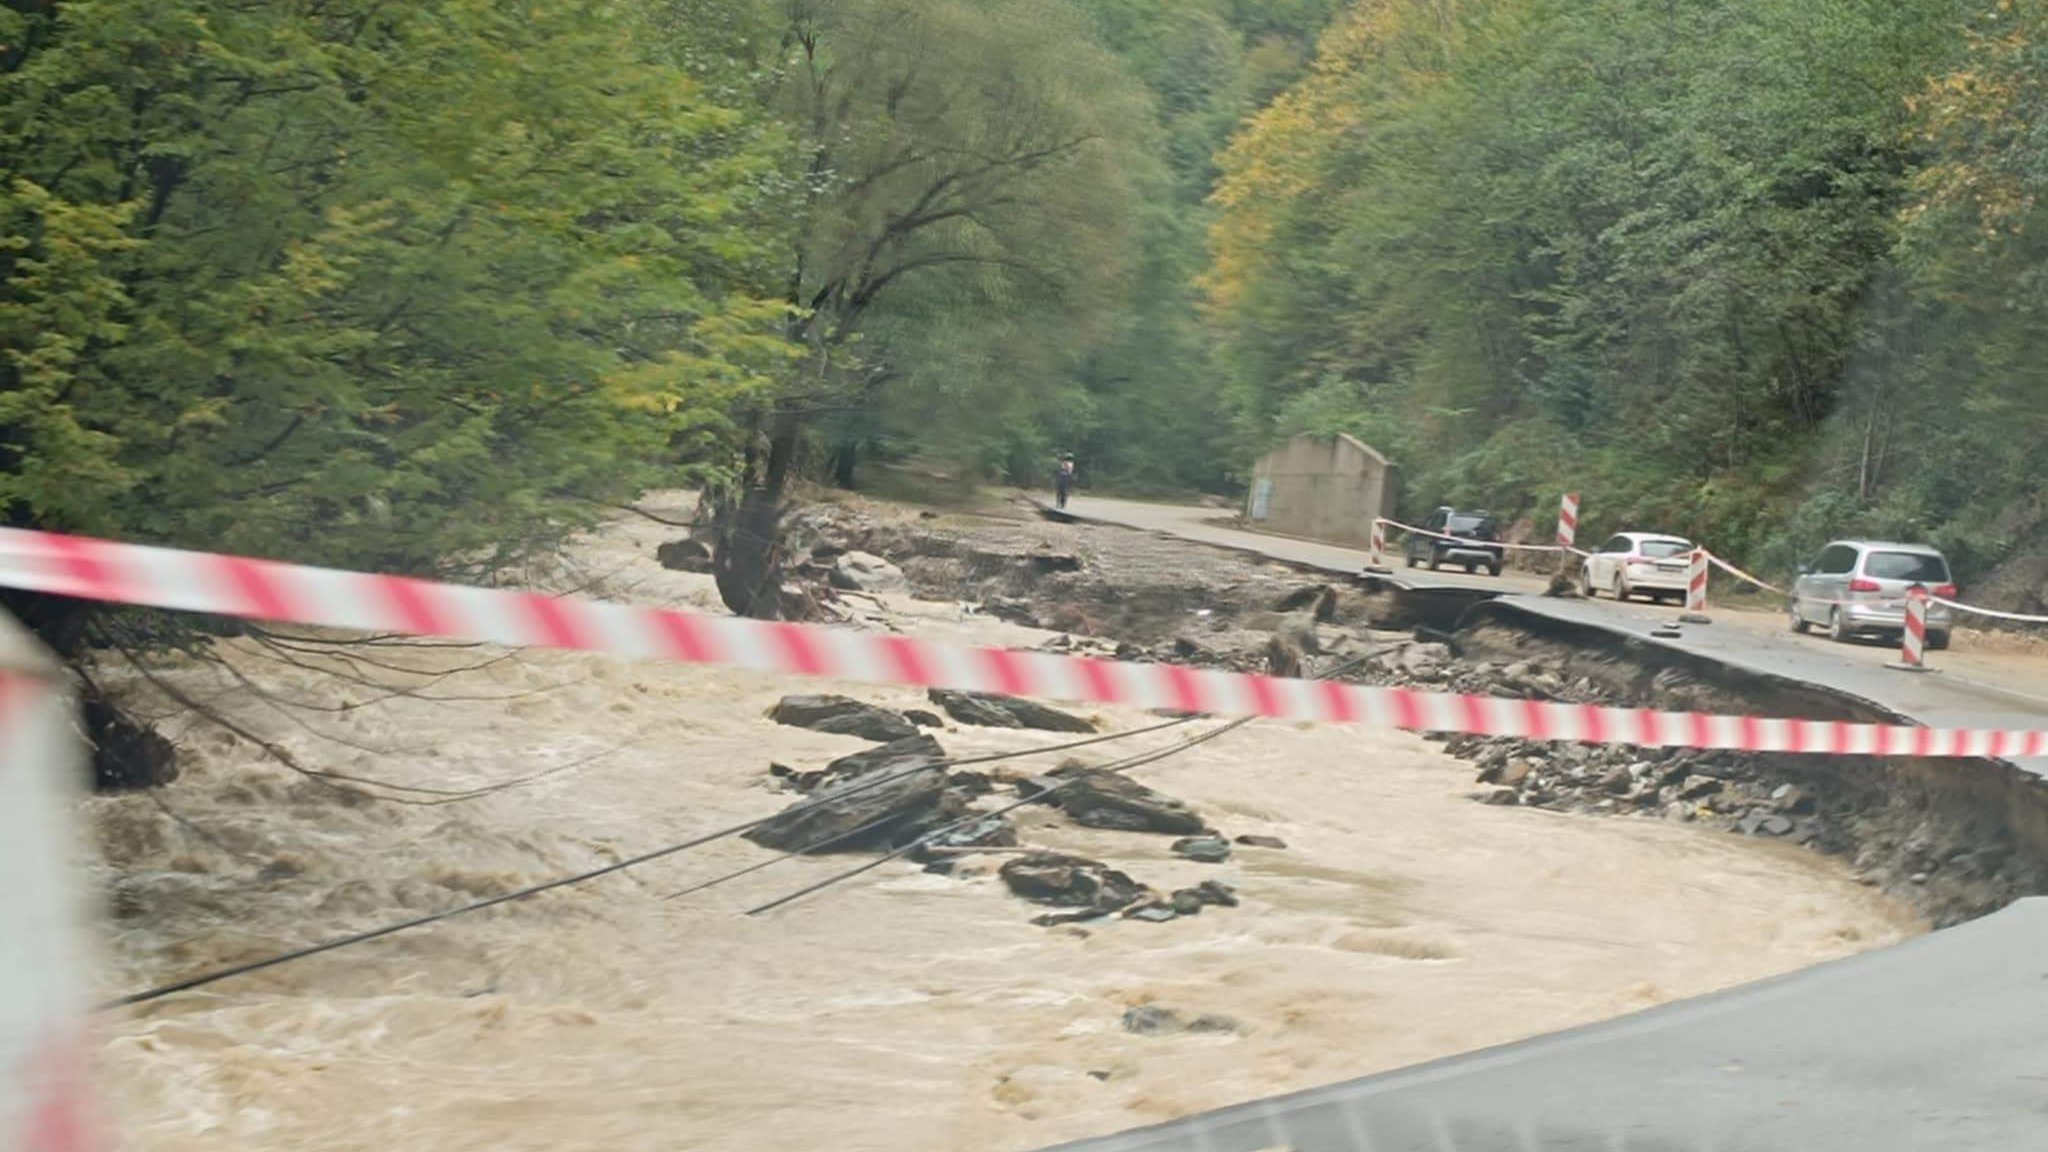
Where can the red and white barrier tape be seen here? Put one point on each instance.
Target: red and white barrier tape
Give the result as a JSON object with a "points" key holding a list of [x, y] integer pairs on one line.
{"points": [[2018, 617], [1739, 574], [1479, 543], [259, 589]]}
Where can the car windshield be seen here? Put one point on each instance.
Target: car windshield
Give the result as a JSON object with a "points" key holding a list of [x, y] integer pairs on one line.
{"points": [[1660, 549], [1918, 566], [1464, 523]]}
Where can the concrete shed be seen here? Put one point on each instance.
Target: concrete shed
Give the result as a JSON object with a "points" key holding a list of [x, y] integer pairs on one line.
{"points": [[1324, 488]]}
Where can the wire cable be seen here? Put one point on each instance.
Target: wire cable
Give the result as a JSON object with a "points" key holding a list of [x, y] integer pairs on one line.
{"points": [[205, 978]]}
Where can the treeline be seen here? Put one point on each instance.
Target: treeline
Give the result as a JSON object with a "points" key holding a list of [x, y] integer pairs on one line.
{"points": [[1759, 270], [417, 287]]}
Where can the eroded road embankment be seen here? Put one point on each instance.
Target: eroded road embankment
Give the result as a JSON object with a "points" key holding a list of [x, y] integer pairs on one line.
{"points": [[1953, 838]]}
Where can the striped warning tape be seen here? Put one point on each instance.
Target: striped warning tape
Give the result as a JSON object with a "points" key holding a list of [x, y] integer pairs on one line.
{"points": [[1434, 535], [266, 590]]}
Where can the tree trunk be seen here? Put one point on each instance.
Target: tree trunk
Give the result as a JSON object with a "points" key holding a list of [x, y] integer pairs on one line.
{"points": [[746, 553], [845, 459]]}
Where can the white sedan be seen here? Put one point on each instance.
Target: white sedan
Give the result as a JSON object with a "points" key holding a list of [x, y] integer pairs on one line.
{"points": [[1637, 563]]}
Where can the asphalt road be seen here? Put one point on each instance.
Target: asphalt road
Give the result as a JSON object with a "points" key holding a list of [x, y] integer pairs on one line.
{"points": [[1980, 687], [1934, 1044]]}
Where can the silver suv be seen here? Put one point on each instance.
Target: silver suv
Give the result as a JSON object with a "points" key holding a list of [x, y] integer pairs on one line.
{"points": [[1859, 586]]}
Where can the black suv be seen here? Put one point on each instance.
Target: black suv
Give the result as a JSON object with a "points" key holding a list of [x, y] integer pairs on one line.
{"points": [[1472, 541]]}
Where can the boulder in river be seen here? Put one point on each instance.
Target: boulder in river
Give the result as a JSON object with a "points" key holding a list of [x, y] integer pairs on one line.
{"points": [[895, 754], [1101, 799], [890, 795], [1206, 849], [990, 711], [1070, 882], [842, 716]]}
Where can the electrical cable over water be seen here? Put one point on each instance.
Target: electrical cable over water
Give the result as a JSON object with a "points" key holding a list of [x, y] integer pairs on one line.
{"points": [[205, 978]]}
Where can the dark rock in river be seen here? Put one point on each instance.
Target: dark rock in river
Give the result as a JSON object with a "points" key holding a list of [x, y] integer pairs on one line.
{"points": [[989, 711], [842, 716]]}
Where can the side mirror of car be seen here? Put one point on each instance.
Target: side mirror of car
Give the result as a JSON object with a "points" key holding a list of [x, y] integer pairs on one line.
{"points": [[1806, 569]]}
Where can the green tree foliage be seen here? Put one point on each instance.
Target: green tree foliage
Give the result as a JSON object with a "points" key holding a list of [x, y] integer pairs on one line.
{"points": [[1758, 270], [966, 219], [397, 286]]}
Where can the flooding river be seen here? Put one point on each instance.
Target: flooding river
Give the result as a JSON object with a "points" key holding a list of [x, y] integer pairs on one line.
{"points": [[900, 1011]]}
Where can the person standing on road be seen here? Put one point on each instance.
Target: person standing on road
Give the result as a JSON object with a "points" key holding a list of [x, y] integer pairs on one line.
{"points": [[1063, 480]]}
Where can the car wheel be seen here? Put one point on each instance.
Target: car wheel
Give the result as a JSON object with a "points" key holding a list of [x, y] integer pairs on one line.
{"points": [[1937, 641], [1436, 562], [1410, 557], [1493, 569], [1799, 623], [1586, 584], [1837, 631], [1469, 568], [1621, 591]]}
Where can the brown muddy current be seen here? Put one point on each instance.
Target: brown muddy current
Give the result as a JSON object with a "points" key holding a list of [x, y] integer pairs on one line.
{"points": [[901, 1011]]}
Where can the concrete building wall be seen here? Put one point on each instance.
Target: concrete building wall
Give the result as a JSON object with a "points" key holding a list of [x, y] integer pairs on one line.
{"points": [[1323, 488]]}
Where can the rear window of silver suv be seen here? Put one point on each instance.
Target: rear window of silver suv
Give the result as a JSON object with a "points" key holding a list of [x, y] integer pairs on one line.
{"points": [[1916, 566]]}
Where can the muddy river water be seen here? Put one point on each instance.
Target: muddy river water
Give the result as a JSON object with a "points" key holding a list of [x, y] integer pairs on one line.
{"points": [[901, 1011]]}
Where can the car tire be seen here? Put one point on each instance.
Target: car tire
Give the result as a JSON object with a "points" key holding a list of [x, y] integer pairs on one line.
{"points": [[1799, 623], [1469, 568], [1493, 569], [1836, 631], [1410, 557], [1436, 562], [1937, 641], [1586, 589], [1621, 591]]}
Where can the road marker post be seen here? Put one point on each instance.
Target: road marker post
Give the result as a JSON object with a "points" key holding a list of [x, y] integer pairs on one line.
{"points": [[1378, 566], [44, 1105], [1568, 520], [1696, 590], [1913, 638]]}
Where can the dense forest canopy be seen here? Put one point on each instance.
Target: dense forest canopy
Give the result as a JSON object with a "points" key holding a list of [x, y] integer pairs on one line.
{"points": [[420, 287]]}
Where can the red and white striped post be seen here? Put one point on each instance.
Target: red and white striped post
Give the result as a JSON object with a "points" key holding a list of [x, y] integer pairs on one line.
{"points": [[43, 1056], [1696, 589], [1379, 546], [1568, 520], [1913, 642]]}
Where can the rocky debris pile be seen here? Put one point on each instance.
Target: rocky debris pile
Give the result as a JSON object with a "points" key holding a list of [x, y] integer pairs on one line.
{"points": [[1100, 799], [1716, 789], [1746, 793], [1152, 1020], [867, 572], [990, 711], [843, 716]]}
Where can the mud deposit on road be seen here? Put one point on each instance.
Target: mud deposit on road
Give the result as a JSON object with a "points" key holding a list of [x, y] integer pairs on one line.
{"points": [[904, 1010]]}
